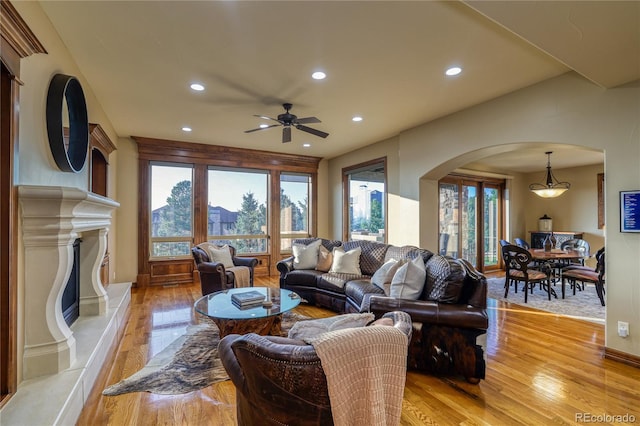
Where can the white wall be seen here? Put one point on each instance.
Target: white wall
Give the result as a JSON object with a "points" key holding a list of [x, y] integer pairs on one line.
{"points": [[564, 110]]}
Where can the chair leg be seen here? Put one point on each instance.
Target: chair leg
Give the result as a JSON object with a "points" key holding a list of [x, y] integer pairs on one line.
{"points": [[526, 292], [600, 291], [507, 282]]}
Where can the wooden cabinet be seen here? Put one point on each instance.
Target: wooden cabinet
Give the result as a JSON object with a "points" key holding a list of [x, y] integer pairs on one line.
{"points": [[538, 237]]}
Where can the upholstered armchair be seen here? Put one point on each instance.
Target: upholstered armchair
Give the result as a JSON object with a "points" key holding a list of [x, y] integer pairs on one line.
{"points": [[280, 381], [214, 276]]}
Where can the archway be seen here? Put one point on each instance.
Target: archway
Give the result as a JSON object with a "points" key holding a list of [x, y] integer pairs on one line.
{"points": [[575, 209]]}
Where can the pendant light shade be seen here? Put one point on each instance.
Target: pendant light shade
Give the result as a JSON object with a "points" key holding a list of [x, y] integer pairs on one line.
{"points": [[552, 188]]}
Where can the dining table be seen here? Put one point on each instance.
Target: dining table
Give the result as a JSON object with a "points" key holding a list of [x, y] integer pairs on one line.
{"points": [[555, 259]]}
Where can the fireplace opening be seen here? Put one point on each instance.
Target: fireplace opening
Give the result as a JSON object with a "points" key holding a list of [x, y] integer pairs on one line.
{"points": [[71, 294]]}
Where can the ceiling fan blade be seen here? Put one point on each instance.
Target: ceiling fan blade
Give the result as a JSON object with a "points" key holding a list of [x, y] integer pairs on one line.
{"points": [[286, 134], [264, 117], [261, 128], [312, 131], [308, 120]]}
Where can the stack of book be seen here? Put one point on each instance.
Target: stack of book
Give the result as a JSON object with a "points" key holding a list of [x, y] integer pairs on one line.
{"points": [[247, 299]]}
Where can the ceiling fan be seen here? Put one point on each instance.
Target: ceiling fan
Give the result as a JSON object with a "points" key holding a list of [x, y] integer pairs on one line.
{"points": [[288, 120]]}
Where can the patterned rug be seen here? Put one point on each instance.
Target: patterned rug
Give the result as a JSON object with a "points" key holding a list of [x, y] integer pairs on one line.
{"points": [[188, 364], [585, 305]]}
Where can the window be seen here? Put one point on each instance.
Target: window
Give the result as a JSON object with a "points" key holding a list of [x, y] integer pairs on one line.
{"points": [[471, 219], [237, 208], [171, 210], [365, 189], [295, 191]]}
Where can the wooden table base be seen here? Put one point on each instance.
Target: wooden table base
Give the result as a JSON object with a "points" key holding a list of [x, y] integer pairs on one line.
{"points": [[262, 326]]}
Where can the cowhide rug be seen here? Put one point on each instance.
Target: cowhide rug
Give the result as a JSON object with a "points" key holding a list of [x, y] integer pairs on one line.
{"points": [[188, 364]]}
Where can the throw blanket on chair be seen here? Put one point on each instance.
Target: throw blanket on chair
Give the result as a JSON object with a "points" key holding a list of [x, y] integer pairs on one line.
{"points": [[366, 370], [242, 276]]}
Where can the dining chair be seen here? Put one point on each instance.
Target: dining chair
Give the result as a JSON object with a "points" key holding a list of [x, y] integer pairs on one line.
{"points": [[522, 243], [576, 244], [583, 274], [517, 261]]}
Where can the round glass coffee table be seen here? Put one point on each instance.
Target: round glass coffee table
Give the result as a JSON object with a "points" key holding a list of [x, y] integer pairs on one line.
{"points": [[232, 319]]}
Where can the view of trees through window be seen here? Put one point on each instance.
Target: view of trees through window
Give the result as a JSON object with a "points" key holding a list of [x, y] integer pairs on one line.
{"points": [[171, 210], [294, 208], [237, 212], [237, 208]]}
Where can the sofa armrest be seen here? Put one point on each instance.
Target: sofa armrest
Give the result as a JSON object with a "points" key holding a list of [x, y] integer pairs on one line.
{"points": [[250, 262], [211, 268], [285, 266], [431, 312]]}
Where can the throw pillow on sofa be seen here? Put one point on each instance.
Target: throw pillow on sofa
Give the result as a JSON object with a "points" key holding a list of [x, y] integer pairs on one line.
{"points": [[382, 277], [306, 257], [346, 262], [325, 258], [445, 278], [408, 281], [219, 254], [312, 328]]}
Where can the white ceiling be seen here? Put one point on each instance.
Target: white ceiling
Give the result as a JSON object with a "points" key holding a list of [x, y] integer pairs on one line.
{"points": [[384, 61]]}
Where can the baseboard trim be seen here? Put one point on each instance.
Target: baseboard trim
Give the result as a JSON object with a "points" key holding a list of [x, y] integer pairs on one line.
{"points": [[623, 357]]}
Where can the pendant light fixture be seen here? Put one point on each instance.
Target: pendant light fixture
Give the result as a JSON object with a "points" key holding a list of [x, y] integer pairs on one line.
{"points": [[552, 188]]}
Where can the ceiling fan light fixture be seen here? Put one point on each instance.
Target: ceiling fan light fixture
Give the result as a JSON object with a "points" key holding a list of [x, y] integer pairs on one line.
{"points": [[551, 188]]}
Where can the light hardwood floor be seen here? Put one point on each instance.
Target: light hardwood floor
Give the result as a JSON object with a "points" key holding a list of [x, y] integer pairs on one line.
{"points": [[541, 369]]}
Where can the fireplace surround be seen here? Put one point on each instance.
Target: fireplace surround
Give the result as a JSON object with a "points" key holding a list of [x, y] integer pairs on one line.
{"points": [[53, 217]]}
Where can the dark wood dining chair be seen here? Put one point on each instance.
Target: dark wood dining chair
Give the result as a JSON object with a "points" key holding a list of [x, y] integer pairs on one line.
{"points": [[517, 260], [583, 274]]}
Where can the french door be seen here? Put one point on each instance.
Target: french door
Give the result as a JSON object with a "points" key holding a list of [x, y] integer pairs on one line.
{"points": [[471, 219]]}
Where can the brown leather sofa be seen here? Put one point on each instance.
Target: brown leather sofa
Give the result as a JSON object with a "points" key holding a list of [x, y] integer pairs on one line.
{"points": [[213, 275], [280, 381], [444, 339]]}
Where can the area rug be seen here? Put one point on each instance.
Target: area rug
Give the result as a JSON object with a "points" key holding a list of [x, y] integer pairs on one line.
{"points": [[188, 364], [584, 305]]}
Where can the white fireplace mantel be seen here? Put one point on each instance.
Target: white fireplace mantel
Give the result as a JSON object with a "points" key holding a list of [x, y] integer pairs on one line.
{"points": [[53, 217]]}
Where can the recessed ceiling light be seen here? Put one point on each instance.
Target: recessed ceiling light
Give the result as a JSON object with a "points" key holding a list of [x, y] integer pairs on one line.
{"points": [[186, 129], [356, 118], [306, 145], [263, 126], [197, 87], [318, 75], [453, 71]]}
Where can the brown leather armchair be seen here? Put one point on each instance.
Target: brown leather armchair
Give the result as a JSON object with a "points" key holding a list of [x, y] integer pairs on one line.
{"points": [[280, 381], [213, 275]]}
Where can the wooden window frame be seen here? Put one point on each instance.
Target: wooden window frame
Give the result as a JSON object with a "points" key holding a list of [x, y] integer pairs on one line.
{"points": [[202, 156]]}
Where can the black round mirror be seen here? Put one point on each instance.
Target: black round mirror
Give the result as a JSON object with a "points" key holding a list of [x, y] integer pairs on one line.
{"points": [[67, 123]]}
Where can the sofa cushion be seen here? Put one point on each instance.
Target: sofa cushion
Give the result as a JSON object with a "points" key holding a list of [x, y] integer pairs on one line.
{"points": [[372, 254], [325, 259], [306, 256], [383, 276], [303, 277], [336, 282], [358, 289], [409, 280], [445, 279], [406, 253], [346, 262]]}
